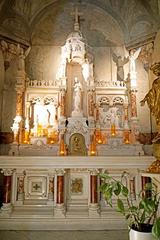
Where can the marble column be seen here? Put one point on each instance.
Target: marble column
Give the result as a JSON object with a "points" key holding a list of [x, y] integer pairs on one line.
{"points": [[62, 147], [133, 103], [18, 128], [91, 103], [20, 88], [62, 103], [27, 123], [93, 189], [60, 189], [132, 187], [144, 181], [134, 118], [91, 107], [7, 183], [9, 52], [20, 187], [93, 206], [51, 189], [59, 211], [126, 125]]}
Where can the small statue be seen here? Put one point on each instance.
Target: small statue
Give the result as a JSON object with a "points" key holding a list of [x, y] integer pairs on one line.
{"points": [[132, 58], [113, 115], [120, 62], [21, 57], [77, 96], [86, 70]]}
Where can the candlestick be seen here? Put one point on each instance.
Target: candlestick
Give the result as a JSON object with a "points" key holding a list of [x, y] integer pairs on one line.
{"points": [[113, 130]]}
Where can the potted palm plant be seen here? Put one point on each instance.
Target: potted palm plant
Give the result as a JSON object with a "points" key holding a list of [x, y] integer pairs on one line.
{"points": [[140, 214]]}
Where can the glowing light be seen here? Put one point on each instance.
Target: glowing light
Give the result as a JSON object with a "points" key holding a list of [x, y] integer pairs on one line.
{"points": [[99, 138], [113, 130], [62, 151], [39, 130], [126, 137], [92, 148], [26, 137], [17, 119]]}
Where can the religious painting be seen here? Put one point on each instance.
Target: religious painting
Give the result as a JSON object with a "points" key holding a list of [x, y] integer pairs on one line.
{"points": [[77, 145], [77, 186]]}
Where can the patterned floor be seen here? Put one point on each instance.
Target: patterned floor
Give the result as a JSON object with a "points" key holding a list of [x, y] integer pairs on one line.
{"points": [[64, 235]]}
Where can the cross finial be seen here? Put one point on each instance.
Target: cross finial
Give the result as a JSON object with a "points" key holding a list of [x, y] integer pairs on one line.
{"points": [[76, 15]]}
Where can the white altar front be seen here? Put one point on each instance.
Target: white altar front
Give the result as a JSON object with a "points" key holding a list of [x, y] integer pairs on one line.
{"points": [[62, 192]]}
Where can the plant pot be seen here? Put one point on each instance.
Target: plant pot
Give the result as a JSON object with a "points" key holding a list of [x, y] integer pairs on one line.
{"points": [[135, 235]]}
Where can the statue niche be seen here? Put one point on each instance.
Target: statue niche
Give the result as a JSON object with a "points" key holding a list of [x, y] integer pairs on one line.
{"points": [[77, 145], [75, 95]]}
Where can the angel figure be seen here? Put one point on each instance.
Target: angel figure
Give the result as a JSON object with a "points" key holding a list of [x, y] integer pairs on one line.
{"points": [[86, 70], [120, 62], [21, 57], [132, 58]]}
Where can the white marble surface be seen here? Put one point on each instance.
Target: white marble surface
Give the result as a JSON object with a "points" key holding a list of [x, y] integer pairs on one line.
{"points": [[34, 213], [64, 235], [47, 162]]}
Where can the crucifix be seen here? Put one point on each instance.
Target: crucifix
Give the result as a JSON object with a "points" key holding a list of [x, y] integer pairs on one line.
{"points": [[77, 15]]}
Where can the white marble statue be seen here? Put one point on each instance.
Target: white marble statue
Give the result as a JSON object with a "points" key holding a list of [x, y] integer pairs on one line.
{"points": [[86, 70], [77, 96], [132, 60], [115, 116], [120, 62], [21, 57]]}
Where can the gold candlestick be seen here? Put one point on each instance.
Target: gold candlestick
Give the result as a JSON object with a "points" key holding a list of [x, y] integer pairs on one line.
{"points": [[92, 150], [62, 150], [126, 137], [113, 130], [26, 137], [99, 139]]}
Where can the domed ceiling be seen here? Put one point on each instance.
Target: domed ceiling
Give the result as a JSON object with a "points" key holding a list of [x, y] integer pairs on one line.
{"points": [[103, 23]]}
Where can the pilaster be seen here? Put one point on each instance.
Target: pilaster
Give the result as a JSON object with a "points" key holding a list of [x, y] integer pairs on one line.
{"points": [[60, 210], [7, 206], [93, 204]]}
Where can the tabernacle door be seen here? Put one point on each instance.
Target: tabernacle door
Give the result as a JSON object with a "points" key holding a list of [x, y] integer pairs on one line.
{"points": [[77, 145]]}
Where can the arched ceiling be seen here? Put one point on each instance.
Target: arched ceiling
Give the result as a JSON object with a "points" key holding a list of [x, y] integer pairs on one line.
{"points": [[107, 22]]}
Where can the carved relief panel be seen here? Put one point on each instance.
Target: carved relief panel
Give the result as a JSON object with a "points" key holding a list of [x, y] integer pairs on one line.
{"points": [[78, 187], [36, 186]]}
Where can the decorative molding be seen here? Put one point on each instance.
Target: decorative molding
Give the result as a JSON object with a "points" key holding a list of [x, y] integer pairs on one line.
{"points": [[93, 172], [7, 171], [60, 172]]}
